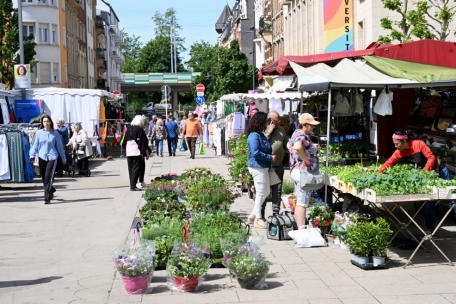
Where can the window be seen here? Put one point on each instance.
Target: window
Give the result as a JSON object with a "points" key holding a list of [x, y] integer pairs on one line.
{"points": [[64, 37], [43, 35], [54, 34], [28, 30], [33, 73], [55, 72], [45, 72], [63, 4]]}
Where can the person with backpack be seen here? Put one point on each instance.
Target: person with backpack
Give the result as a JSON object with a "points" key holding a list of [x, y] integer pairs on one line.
{"points": [[172, 129], [158, 135]]}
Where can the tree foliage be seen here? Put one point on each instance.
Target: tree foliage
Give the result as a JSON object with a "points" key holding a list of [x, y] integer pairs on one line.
{"points": [[439, 11], [233, 72], [204, 58], [131, 50], [163, 26], [9, 44]]}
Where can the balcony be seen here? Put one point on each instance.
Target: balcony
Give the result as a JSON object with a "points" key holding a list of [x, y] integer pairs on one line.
{"points": [[117, 76], [117, 56], [99, 22], [284, 2], [115, 33]]}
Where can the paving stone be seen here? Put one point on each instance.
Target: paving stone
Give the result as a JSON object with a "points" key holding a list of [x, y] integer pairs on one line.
{"points": [[413, 299]]}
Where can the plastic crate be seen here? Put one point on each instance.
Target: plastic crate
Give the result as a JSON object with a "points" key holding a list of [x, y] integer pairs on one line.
{"points": [[447, 192], [341, 186], [333, 181], [371, 196]]}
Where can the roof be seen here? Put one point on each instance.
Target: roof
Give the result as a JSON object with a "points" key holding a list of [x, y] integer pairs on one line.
{"points": [[321, 77], [226, 13], [434, 52]]}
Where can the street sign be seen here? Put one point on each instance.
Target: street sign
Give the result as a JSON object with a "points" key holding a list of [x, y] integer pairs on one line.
{"points": [[200, 87], [199, 93], [117, 93], [165, 89], [200, 100]]}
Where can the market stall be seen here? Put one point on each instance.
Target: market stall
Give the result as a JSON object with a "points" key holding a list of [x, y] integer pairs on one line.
{"points": [[321, 77]]}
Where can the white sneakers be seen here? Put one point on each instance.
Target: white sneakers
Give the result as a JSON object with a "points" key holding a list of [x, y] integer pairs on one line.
{"points": [[141, 185]]}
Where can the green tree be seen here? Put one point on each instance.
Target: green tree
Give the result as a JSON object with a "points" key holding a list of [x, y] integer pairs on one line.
{"points": [[131, 50], [439, 11], [410, 24], [163, 25], [9, 43], [203, 58], [233, 73]]}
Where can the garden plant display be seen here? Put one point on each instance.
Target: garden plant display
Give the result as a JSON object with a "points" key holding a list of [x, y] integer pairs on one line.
{"points": [[321, 218], [249, 266], [238, 165]]}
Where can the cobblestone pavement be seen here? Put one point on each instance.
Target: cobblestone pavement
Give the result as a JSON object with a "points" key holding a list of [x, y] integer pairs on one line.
{"points": [[60, 253]]}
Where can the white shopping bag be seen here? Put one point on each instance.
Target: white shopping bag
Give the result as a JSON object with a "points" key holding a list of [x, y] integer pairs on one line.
{"points": [[359, 107], [383, 106], [342, 107], [307, 236]]}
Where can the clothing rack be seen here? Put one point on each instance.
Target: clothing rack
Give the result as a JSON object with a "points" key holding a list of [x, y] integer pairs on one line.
{"points": [[122, 121]]}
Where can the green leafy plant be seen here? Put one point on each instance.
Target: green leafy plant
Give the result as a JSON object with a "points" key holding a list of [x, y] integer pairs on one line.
{"points": [[238, 165], [381, 236], [246, 262], [162, 206], [212, 226], [189, 261], [322, 218], [288, 187]]}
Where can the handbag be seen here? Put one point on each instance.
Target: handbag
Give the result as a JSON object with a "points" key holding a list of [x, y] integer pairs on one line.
{"points": [[307, 236], [278, 226], [309, 179], [81, 150], [273, 177]]}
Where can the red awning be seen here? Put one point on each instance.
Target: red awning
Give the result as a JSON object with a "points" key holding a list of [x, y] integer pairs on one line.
{"points": [[433, 52]]}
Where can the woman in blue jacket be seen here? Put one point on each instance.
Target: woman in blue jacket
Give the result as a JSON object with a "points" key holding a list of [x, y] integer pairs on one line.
{"points": [[47, 143], [259, 162]]}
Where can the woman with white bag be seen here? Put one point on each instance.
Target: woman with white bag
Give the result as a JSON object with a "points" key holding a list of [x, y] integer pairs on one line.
{"points": [[303, 154]]}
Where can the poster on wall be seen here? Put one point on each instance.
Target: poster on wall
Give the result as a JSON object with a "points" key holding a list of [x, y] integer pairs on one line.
{"points": [[338, 25], [22, 76], [27, 110]]}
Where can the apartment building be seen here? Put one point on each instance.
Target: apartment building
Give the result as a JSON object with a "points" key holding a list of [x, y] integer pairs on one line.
{"points": [[108, 40], [238, 23]]}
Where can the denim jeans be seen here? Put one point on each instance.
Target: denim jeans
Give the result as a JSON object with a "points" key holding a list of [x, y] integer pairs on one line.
{"points": [[159, 144], [172, 145], [262, 188], [276, 191], [429, 207]]}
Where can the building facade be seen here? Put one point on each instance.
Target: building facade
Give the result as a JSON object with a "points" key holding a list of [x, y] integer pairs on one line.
{"points": [[108, 40]]}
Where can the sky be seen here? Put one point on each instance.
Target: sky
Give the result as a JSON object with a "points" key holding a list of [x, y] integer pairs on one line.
{"points": [[197, 18]]}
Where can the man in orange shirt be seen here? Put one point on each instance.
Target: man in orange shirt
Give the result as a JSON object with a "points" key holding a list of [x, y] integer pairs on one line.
{"points": [[191, 129]]}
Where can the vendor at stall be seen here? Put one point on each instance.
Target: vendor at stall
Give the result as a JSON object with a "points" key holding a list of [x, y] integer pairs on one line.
{"points": [[410, 150]]}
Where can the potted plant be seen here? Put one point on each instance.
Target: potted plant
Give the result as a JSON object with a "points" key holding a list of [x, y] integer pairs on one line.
{"points": [[136, 265], [187, 264], [287, 192], [380, 241], [238, 165], [322, 218], [249, 267]]}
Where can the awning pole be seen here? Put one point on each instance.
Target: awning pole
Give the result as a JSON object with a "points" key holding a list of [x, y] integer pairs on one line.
{"points": [[328, 140], [302, 101]]}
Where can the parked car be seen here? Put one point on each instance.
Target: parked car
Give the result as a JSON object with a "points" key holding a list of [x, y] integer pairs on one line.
{"points": [[148, 107]]}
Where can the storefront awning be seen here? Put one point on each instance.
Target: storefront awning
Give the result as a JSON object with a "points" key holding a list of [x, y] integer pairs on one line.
{"points": [[411, 70]]}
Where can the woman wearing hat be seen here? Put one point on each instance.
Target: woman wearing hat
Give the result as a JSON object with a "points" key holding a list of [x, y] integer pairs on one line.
{"points": [[410, 150], [80, 142], [303, 154]]}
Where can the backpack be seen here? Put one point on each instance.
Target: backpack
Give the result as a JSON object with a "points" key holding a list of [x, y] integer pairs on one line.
{"points": [[159, 132], [278, 226]]}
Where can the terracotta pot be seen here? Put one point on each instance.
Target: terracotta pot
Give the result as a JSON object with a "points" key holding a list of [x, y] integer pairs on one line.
{"points": [[136, 285], [184, 284]]}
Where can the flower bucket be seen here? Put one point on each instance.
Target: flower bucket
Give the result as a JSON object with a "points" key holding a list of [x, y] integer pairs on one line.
{"points": [[136, 285], [249, 283], [189, 284]]}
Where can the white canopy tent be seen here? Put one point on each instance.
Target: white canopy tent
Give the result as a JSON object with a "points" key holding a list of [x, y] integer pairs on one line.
{"points": [[73, 105], [349, 74]]}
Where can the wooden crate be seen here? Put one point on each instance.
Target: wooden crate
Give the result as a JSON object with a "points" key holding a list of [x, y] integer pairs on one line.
{"points": [[355, 192], [341, 186], [333, 181], [371, 196]]}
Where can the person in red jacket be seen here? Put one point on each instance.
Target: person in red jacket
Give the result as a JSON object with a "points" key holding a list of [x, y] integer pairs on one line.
{"points": [[410, 150]]}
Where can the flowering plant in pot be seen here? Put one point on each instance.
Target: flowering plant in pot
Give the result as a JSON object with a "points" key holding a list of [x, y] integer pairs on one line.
{"points": [[136, 264], [322, 218], [248, 265], [186, 264]]}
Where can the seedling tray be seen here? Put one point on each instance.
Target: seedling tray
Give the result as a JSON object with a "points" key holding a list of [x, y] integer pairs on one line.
{"points": [[371, 196]]}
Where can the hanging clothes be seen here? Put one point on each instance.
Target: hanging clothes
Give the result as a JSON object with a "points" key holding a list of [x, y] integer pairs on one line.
{"points": [[5, 169], [251, 107], [29, 172], [16, 148], [229, 108], [275, 105], [102, 113], [5, 118]]}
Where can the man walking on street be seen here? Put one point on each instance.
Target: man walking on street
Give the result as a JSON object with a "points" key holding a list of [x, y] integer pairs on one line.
{"points": [[151, 129], [191, 130], [278, 139], [172, 128]]}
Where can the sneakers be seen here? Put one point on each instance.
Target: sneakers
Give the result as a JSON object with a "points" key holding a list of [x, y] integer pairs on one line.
{"points": [[139, 185], [174, 153]]}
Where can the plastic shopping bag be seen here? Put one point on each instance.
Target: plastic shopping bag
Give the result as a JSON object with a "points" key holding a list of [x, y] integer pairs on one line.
{"points": [[202, 151], [342, 107], [383, 106], [358, 98], [307, 236]]}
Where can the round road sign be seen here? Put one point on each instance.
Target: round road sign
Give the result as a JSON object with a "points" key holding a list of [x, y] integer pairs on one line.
{"points": [[200, 87]]}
